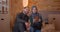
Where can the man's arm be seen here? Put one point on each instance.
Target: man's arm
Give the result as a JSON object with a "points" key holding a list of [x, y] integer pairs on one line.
{"points": [[19, 18]]}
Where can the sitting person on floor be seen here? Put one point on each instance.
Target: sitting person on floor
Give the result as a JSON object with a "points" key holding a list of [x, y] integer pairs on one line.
{"points": [[37, 24]]}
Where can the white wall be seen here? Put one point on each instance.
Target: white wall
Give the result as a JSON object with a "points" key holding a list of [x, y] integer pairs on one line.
{"points": [[4, 24]]}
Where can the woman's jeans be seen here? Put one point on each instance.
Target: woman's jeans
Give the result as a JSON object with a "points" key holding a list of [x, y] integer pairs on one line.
{"points": [[32, 30]]}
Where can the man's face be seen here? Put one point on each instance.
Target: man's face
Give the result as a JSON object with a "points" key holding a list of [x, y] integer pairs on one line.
{"points": [[26, 10], [34, 10]]}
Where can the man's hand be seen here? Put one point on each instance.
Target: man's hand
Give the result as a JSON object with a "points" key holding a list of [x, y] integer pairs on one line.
{"points": [[27, 24]]}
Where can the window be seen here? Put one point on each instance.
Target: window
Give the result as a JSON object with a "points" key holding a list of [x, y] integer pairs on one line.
{"points": [[3, 6], [25, 3]]}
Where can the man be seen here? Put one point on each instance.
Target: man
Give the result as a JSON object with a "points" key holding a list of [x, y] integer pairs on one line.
{"points": [[21, 20]]}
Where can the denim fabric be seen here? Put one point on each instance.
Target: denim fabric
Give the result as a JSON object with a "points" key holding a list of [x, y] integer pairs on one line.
{"points": [[32, 30]]}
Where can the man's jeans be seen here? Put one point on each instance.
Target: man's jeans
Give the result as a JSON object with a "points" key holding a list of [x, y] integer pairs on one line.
{"points": [[32, 30]]}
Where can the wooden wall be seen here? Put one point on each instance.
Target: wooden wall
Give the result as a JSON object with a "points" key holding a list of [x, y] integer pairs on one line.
{"points": [[46, 5], [15, 7], [56, 21]]}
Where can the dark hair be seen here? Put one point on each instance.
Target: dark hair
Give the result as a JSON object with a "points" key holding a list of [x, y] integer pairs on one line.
{"points": [[34, 7], [25, 7]]}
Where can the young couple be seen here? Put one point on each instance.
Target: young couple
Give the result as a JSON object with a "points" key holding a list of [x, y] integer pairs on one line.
{"points": [[22, 21]]}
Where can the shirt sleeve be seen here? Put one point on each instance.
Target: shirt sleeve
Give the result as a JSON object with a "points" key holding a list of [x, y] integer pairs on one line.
{"points": [[19, 19], [40, 16]]}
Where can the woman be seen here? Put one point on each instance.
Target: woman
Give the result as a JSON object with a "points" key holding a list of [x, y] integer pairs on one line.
{"points": [[33, 14]]}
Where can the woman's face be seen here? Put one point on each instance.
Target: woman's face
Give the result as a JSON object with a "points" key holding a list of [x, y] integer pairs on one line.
{"points": [[34, 10]]}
